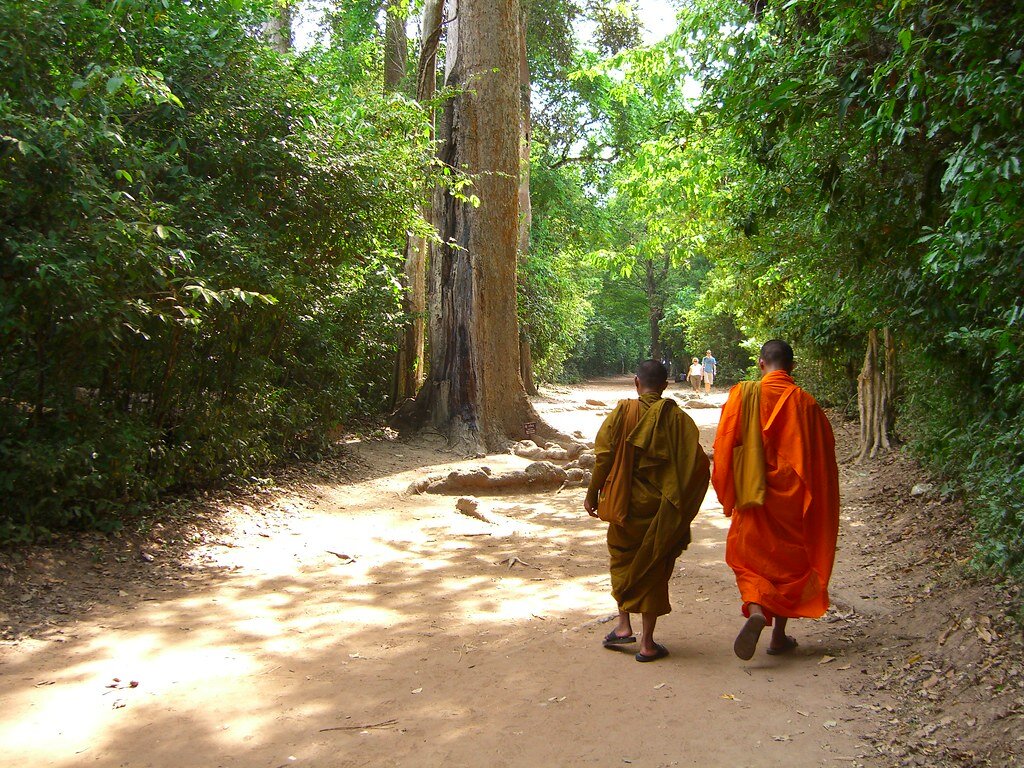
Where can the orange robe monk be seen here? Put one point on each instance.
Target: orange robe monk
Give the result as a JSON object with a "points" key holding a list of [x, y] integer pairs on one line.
{"points": [[781, 551]]}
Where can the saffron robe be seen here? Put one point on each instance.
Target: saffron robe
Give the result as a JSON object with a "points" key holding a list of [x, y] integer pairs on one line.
{"points": [[668, 482], [782, 553]]}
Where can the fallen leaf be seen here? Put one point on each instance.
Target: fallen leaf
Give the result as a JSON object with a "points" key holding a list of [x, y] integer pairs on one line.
{"points": [[845, 666], [417, 690], [826, 659], [830, 724], [659, 686], [782, 737], [801, 712], [730, 697]]}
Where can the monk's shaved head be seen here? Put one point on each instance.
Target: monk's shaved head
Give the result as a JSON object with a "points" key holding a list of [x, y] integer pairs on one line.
{"points": [[777, 355], [652, 374]]}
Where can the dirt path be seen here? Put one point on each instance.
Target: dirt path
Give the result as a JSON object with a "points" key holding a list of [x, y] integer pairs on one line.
{"points": [[355, 625]]}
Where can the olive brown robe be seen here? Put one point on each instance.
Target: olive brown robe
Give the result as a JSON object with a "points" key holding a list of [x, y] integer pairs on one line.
{"points": [[669, 480], [782, 552]]}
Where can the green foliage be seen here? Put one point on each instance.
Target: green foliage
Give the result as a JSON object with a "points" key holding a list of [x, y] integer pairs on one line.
{"points": [[706, 329], [876, 181], [975, 445], [201, 242], [616, 338], [555, 281]]}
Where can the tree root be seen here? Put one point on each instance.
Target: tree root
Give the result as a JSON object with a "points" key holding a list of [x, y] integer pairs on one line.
{"points": [[538, 476]]}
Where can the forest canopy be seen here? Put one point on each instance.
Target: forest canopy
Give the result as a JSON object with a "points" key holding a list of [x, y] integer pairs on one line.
{"points": [[206, 232]]}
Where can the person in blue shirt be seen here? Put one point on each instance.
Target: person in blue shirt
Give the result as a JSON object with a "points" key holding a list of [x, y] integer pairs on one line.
{"points": [[710, 371]]}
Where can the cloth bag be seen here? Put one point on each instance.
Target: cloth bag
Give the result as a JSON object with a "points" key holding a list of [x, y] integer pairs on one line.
{"points": [[613, 502]]}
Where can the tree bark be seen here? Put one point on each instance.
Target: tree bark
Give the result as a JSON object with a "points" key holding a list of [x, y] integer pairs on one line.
{"points": [[525, 206], [412, 347], [526, 365], [653, 286], [396, 46], [278, 29], [474, 392], [875, 388], [889, 382]]}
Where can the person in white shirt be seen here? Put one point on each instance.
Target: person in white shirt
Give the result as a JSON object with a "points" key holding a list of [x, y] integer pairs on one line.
{"points": [[695, 374]]}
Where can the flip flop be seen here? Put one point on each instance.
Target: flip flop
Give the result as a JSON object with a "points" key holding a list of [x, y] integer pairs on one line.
{"points": [[611, 639], [746, 640], [660, 652], [788, 646]]}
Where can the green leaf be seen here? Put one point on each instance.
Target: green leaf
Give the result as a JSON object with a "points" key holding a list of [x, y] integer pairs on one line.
{"points": [[905, 38], [783, 88], [114, 83]]}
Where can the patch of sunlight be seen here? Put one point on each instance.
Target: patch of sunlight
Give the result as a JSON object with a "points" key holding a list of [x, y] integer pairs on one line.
{"points": [[516, 598], [261, 626], [463, 583], [719, 521], [77, 709], [245, 728]]}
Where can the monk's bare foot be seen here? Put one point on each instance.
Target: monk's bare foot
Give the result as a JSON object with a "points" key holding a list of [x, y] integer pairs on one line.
{"points": [[779, 647], [653, 653], [746, 640], [613, 638]]}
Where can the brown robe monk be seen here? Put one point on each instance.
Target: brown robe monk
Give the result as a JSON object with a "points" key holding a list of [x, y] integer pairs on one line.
{"points": [[782, 551], [667, 483]]}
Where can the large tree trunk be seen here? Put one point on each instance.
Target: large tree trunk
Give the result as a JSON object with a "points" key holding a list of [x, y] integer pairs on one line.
{"points": [[525, 206], [875, 390], [655, 305], [278, 29], [474, 392], [396, 46], [526, 365], [412, 348], [889, 383]]}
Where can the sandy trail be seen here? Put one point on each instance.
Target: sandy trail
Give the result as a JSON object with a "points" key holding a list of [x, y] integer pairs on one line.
{"points": [[355, 625]]}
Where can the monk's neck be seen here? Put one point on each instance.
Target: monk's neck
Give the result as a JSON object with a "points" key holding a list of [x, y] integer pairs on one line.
{"points": [[650, 397], [777, 375]]}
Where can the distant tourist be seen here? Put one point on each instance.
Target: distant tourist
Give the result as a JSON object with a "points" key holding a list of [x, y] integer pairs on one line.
{"points": [[710, 370], [696, 374], [649, 480], [776, 476]]}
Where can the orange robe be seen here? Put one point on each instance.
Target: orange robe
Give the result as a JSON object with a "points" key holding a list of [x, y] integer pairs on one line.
{"points": [[782, 553]]}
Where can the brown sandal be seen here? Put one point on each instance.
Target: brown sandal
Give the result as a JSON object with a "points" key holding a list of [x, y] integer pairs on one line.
{"points": [[746, 640]]}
